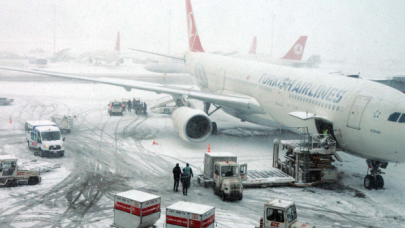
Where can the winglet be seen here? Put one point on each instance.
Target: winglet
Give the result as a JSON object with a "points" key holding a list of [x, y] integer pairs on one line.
{"points": [[117, 42], [193, 37], [297, 50], [252, 50]]}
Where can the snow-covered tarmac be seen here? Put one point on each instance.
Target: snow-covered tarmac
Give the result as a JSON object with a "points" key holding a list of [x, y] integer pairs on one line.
{"points": [[106, 155]]}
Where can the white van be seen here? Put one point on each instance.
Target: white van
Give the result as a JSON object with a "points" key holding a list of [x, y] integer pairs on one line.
{"points": [[64, 122], [45, 138]]}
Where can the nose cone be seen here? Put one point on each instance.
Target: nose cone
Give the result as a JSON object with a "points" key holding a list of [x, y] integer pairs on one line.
{"points": [[386, 130]]}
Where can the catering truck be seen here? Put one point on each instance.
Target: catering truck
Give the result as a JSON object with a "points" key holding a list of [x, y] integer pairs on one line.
{"points": [[12, 176], [136, 209], [224, 174], [186, 214], [281, 214], [45, 137]]}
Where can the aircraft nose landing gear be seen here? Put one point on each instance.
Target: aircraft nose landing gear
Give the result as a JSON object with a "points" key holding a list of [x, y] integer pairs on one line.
{"points": [[374, 179]]}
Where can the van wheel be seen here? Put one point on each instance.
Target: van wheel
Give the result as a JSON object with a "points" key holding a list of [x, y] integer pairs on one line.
{"points": [[40, 153], [241, 197], [8, 184]]}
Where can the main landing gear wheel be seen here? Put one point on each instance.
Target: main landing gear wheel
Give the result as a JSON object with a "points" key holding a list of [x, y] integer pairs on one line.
{"points": [[374, 179], [369, 182], [379, 182]]}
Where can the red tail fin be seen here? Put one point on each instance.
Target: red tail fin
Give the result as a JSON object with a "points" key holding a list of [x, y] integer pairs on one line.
{"points": [[252, 50], [117, 42], [194, 42], [297, 50]]}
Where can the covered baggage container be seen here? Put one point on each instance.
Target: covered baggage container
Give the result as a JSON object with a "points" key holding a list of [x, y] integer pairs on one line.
{"points": [[136, 209], [185, 214]]}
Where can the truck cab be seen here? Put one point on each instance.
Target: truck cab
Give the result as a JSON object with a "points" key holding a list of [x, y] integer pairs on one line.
{"points": [[227, 180], [281, 214], [45, 138]]}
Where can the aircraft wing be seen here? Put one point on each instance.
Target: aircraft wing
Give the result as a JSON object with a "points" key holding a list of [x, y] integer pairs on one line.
{"points": [[246, 104]]}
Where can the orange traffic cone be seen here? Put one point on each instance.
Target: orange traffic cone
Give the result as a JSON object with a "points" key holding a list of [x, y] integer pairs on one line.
{"points": [[10, 120], [209, 148], [155, 143]]}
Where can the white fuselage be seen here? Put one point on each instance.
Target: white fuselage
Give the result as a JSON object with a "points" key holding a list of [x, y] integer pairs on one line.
{"points": [[362, 129]]}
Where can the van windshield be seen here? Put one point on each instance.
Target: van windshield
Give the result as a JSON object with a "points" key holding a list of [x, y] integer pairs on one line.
{"points": [[50, 135]]}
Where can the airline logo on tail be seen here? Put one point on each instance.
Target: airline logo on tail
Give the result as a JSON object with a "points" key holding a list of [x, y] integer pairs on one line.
{"points": [[253, 47], [297, 50], [193, 37], [117, 42]]}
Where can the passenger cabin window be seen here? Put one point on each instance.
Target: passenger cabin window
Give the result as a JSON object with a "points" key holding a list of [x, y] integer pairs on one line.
{"points": [[216, 170], [275, 215], [394, 117], [402, 119], [291, 214]]}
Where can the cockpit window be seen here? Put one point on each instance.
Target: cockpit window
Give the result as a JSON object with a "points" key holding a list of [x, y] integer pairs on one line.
{"points": [[402, 119], [394, 117]]}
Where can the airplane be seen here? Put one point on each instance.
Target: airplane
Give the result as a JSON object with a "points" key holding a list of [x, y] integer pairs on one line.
{"points": [[107, 56], [293, 58], [364, 117]]}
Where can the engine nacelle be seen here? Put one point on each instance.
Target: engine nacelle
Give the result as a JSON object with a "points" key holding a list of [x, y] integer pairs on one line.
{"points": [[193, 125]]}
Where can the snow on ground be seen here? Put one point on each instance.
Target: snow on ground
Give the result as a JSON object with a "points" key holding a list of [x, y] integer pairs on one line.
{"points": [[106, 155]]}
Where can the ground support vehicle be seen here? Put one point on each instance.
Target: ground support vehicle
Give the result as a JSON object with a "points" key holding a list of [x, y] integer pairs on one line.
{"points": [[115, 108], [45, 138], [139, 107], [5, 101], [185, 214], [309, 159], [11, 176], [224, 174], [250, 179], [281, 214], [136, 209], [64, 122], [164, 108]]}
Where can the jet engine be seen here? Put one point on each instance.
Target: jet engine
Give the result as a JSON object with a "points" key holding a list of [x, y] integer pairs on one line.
{"points": [[193, 125]]}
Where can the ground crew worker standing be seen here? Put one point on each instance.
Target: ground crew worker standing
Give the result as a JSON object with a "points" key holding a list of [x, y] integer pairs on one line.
{"points": [[129, 105], [176, 176], [189, 171], [185, 181]]}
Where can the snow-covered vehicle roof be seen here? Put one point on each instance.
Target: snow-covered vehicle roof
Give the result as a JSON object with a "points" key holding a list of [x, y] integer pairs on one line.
{"points": [[190, 207]]}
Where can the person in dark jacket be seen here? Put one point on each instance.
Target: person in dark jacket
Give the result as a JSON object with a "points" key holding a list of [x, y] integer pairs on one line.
{"points": [[189, 171], [176, 176], [185, 181], [129, 105]]}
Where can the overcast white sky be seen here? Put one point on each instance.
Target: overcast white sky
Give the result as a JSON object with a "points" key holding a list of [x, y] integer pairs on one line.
{"points": [[369, 30]]}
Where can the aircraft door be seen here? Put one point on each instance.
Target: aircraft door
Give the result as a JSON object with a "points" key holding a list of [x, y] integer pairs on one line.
{"points": [[243, 171], [280, 96], [356, 112]]}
